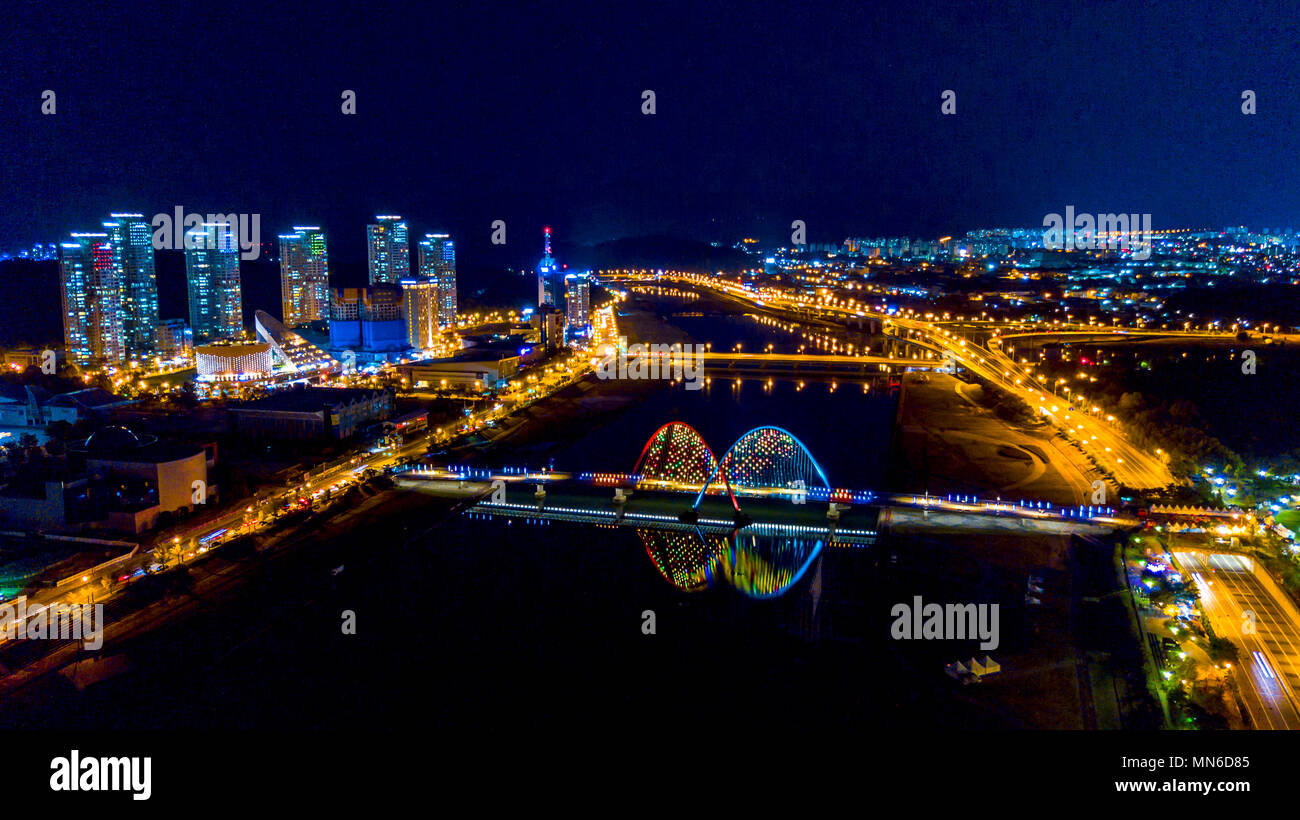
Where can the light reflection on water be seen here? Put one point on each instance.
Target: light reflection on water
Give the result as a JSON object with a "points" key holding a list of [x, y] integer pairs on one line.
{"points": [[757, 566]]}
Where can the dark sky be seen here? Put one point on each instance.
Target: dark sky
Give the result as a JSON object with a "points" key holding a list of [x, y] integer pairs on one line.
{"points": [[766, 112]]}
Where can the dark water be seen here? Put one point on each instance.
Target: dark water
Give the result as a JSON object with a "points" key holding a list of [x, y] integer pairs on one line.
{"points": [[847, 431], [491, 624]]}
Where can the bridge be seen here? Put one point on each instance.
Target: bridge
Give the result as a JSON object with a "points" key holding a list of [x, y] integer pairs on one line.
{"points": [[846, 368], [678, 484], [850, 368], [1101, 333]]}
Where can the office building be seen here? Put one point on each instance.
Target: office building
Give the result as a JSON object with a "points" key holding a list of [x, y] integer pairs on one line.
{"points": [[548, 327], [306, 413], [472, 369]]}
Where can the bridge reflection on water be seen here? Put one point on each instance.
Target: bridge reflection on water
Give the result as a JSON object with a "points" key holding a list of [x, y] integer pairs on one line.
{"points": [[758, 566], [761, 561]]}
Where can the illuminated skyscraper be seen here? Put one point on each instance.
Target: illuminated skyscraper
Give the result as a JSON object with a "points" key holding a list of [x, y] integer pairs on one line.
{"points": [[132, 239], [92, 300], [388, 250], [420, 304], [550, 282], [438, 263], [577, 298], [212, 270], [304, 276]]}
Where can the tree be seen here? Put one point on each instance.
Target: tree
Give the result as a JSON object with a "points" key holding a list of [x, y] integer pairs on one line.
{"points": [[187, 398], [1222, 650]]}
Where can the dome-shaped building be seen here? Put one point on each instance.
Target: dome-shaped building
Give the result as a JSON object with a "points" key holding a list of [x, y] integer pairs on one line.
{"points": [[136, 477]]}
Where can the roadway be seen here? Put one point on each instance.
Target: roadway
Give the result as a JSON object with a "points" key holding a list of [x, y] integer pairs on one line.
{"points": [[1268, 668]]}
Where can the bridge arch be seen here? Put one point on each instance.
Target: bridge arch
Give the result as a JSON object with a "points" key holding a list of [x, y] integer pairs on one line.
{"points": [[677, 454], [767, 457]]}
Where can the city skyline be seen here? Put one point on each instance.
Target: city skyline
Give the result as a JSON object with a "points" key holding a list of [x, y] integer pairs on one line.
{"points": [[305, 278], [677, 374]]}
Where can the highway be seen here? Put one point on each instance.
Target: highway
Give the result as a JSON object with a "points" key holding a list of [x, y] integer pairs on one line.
{"points": [[1268, 669]]}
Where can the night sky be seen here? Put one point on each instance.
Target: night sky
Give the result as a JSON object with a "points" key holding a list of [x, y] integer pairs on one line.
{"points": [[766, 113]]}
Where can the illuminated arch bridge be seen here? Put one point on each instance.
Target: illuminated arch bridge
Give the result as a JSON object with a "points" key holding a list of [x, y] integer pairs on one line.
{"points": [[766, 461]]}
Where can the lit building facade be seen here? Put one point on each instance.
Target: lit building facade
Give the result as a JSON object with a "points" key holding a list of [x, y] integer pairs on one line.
{"points": [[420, 301], [233, 362], [91, 290], [288, 349], [577, 297], [174, 339], [388, 250], [550, 282], [304, 276], [438, 264], [212, 272], [133, 254]]}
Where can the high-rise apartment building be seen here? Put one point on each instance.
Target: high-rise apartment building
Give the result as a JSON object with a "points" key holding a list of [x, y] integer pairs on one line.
{"points": [[133, 255], [212, 271], [91, 290], [438, 263], [388, 250], [175, 340], [304, 276], [421, 306], [577, 298]]}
